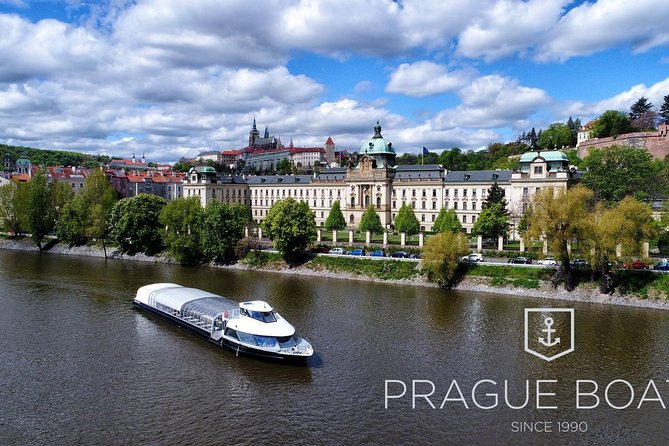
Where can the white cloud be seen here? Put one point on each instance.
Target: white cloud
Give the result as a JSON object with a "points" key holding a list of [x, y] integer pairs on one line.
{"points": [[593, 27], [621, 101], [493, 101], [509, 27], [425, 78]]}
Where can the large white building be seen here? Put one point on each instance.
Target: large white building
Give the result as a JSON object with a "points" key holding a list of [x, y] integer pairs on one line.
{"points": [[377, 180]]}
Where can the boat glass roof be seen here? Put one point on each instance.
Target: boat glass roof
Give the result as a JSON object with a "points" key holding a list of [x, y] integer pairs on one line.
{"points": [[210, 306]]}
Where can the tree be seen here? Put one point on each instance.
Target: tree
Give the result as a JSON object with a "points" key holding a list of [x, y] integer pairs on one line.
{"points": [[100, 197], [71, 224], [574, 127], [406, 221], [533, 138], [639, 108], [283, 167], [291, 226], [441, 255], [664, 111], [611, 123], [560, 216], [557, 135], [335, 220], [182, 228], [61, 194], [626, 225], [494, 195], [447, 220], [223, 228], [135, 224], [370, 221], [14, 207], [617, 171], [40, 209], [493, 222]]}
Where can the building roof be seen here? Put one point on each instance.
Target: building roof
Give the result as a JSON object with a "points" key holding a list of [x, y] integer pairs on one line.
{"points": [[548, 155], [419, 172], [478, 176], [334, 173], [279, 179], [329, 142]]}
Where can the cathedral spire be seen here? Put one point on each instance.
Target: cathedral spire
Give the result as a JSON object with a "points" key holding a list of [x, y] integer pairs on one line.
{"points": [[266, 132]]}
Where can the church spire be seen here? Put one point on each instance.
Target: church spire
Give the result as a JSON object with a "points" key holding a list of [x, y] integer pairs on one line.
{"points": [[266, 132]]}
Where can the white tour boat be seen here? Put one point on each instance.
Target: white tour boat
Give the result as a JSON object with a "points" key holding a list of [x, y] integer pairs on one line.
{"points": [[252, 327]]}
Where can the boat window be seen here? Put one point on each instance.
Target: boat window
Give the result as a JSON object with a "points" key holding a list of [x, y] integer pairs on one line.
{"points": [[265, 341], [232, 333], [287, 341], [262, 316], [246, 338]]}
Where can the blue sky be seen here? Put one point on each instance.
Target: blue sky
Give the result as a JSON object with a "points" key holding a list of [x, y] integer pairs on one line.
{"points": [[170, 78]]}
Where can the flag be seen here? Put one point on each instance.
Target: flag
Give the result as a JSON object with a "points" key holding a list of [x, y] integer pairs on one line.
{"points": [[425, 151]]}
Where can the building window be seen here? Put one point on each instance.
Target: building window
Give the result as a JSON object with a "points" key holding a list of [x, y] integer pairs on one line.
{"points": [[321, 214], [433, 218], [464, 219], [378, 202], [526, 191], [434, 192], [474, 193], [524, 207], [423, 205], [464, 192], [351, 219], [394, 204], [413, 205], [455, 206], [446, 192], [424, 193], [455, 192], [538, 170], [464, 206], [434, 205], [473, 206], [413, 192]]}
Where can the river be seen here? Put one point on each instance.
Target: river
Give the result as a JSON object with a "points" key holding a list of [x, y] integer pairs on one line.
{"points": [[80, 365]]}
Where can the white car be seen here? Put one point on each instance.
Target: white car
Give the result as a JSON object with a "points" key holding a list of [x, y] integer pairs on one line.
{"points": [[473, 257], [339, 251], [547, 261]]}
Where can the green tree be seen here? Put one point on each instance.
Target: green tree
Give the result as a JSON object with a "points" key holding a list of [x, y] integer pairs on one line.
{"points": [[441, 255], [406, 221], [291, 226], [664, 111], [71, 224], [556, 136], [617, 171], [223, 228], [335, 220], [639, 108], [40, 209], [495, 195], [370, 221], [492, 222], [182, 228], [574, 127], [61, 194], [135, 224], [14, 207], [283, 167], [100, 197], [447, 220], [611, 123], [627, 225], [561, 216]]}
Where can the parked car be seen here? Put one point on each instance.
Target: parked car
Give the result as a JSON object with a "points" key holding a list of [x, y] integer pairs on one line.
{"points": [[547, 261], [637, 264], [400, 255], [377, 253], [320, 249], [579, 263], [473, 257], [520, 260], [663, 265], [358, 252], [415, 256], [339, 251]]}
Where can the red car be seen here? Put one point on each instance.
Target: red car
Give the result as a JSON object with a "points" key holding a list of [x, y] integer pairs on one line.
{"points": [[637, 264]]}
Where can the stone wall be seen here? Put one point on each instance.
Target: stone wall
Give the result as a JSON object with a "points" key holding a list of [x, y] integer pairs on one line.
{"points": [[657, 143]]}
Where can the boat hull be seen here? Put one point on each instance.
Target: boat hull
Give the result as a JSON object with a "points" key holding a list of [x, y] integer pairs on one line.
{"points": [[227, 344]]}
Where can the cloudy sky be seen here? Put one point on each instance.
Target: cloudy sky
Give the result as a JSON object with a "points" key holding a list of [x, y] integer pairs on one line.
{"points": [[170, 78]]}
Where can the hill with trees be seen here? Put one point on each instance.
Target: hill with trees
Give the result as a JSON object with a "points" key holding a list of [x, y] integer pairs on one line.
{"points": [[45, 157]]}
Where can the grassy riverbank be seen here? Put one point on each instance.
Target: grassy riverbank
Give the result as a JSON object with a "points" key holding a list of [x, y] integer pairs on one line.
{"points": [[635, 288]]}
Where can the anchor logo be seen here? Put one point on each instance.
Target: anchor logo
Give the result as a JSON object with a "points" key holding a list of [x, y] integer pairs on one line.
{"points": [[549, 332]]}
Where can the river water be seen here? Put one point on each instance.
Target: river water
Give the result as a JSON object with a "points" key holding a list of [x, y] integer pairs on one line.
{"points": [[79, 365]]}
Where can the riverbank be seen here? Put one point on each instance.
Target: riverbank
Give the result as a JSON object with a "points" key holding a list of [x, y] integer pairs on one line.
{"points": [[587, 292]]}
